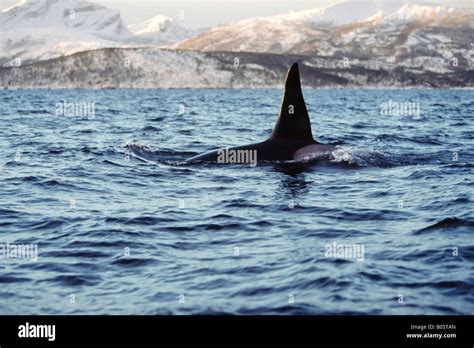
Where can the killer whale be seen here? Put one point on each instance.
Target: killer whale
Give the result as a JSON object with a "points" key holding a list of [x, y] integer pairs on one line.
{"points": [[291, 138]]}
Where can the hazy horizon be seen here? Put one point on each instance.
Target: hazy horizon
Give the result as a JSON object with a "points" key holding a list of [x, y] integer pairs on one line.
{"points": [[198, 14]]}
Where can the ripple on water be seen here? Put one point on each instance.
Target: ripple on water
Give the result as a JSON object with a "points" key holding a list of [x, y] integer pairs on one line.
{"points": [[350, 197], [451, 224]]}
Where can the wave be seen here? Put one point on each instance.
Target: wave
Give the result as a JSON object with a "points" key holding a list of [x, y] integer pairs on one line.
{"points": [[447, 224], [75, 280], [133, 262]]}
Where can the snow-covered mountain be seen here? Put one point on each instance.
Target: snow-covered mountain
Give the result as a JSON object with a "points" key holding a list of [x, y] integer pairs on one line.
{"points": [[344, 28], [64, 15], [44, 29], [338, 14], [355, 42], [160, 30], [159, 25]]}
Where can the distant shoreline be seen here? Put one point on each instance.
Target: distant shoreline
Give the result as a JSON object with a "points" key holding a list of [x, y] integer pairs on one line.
{"points": [[234, 88], [152, 68]]}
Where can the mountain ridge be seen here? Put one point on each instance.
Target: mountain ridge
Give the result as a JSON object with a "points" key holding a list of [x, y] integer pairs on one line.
{"points": [[405, 45]]}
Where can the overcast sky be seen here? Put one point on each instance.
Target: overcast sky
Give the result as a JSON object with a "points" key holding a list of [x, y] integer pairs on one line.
{"points": [[211, 13]]}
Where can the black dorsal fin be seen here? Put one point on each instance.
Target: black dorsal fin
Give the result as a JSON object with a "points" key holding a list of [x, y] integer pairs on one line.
{"points": [[293, 121]]}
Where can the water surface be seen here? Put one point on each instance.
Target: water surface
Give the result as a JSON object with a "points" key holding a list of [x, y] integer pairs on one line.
{"points": [[131, 236]]}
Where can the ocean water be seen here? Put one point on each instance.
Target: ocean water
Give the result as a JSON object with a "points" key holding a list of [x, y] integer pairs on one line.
{"points": [[383, 226]]}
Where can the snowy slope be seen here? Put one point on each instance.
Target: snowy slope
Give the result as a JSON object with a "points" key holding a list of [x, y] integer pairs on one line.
{"points": [[430, 15], [160, 29], [280, 33], [331, 29], [64, 15], [44, 29], [341, 13]]}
